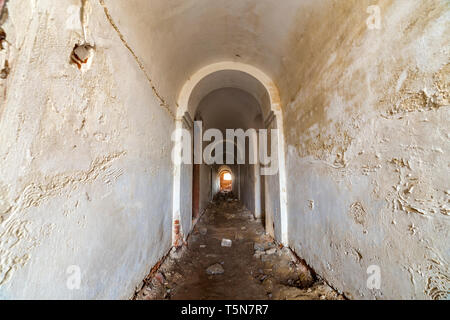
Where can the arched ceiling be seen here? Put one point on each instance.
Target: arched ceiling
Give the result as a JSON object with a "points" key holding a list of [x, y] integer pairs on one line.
{"points": [[230, 108], [231, 79], [176, 38]]}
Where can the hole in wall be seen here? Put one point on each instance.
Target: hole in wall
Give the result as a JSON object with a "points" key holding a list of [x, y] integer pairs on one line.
{"points": [[82, 56]]}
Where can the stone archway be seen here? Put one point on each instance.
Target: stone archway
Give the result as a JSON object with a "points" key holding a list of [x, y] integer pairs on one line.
{"points": [[275, 113]]}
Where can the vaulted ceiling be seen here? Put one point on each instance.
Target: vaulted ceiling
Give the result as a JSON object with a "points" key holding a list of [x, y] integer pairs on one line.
{"points": [[176, 38]]}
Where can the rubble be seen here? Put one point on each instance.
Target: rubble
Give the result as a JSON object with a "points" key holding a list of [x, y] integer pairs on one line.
{"points": [[160, 277], [258, 247], [177, 253], [257, 268], [227, 243], [215, 269]]}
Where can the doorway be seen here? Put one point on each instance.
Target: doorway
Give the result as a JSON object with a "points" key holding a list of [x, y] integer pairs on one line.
{"points": [[226, 181]]}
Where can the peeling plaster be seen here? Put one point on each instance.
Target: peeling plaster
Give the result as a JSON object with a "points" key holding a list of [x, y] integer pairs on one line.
{"points": [[86, 155], [369, 131], [82, 157]]}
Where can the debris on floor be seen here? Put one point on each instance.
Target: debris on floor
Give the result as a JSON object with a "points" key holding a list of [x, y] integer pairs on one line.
{"points": [[215, 269], [256, 269], [226, 243]]}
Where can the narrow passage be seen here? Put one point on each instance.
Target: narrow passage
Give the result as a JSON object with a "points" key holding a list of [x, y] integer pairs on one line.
{"points": [[251, 267]]}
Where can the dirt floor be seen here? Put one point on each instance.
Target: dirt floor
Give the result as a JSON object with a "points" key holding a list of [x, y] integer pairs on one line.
{"points": [[253, 267]]}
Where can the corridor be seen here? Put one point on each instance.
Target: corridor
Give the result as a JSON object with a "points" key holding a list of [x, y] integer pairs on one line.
{"points": [[225, 149], [253, 267]]}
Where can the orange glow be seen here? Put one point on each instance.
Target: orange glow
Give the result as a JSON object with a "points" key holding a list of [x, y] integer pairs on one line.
{"points": [[226, 183]]}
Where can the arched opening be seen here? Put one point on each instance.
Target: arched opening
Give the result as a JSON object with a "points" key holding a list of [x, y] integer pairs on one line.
{"points": [[225, 96], [226, 181]]}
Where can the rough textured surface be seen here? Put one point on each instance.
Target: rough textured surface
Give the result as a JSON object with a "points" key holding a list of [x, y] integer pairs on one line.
{"points": [[83, 159], [85, 172], [368, 146], [254, 267]]}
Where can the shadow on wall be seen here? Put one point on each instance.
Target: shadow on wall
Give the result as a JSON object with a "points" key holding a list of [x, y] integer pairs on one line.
{"points": [[2, 4]]}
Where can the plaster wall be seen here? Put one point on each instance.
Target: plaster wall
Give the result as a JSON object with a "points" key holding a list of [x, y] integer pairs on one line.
{"points": [[247, 187], [272, 191], [205, 186], [85, 168], [366, 125]]}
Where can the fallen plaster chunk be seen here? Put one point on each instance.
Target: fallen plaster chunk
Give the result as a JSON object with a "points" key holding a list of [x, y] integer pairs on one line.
{"points": [[226, 243], [160, 277], [177, 253], [215, 269]]}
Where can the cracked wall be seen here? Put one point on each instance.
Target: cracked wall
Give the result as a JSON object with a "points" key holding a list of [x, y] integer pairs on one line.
{"points": [[85, 169], [368, 145]]}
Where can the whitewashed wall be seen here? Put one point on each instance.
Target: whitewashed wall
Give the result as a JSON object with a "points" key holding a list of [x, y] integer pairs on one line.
{"points": [[85, 169]]}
